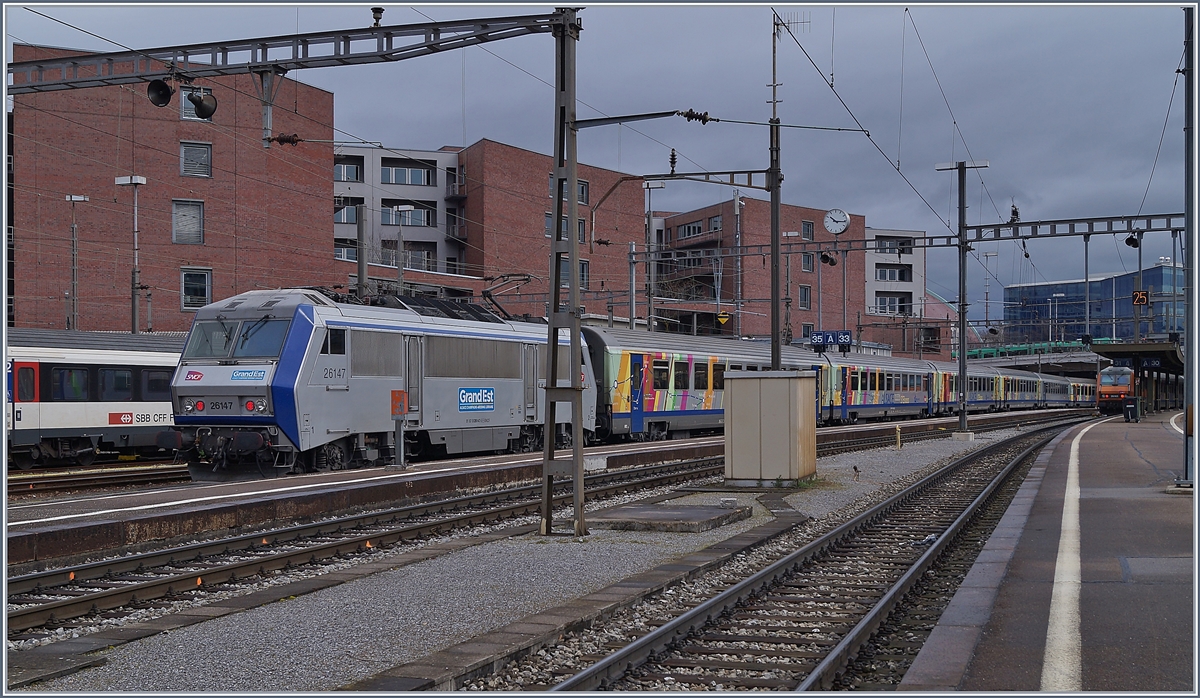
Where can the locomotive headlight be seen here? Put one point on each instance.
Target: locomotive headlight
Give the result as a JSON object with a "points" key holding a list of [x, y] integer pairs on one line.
{"points": [[261, 405], [188, 405]]}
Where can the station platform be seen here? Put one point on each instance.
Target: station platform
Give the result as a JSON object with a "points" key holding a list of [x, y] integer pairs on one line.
{"points": [[1088, 582]]}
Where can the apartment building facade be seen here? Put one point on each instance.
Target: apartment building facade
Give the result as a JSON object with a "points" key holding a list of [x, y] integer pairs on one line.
{"points": [[218, 213]]}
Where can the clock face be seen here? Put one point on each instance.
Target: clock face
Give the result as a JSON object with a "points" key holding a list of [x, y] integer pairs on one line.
{"points": [[836, 221]]}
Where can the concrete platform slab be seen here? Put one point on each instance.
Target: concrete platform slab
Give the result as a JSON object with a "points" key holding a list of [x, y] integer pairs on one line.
{"points": [[656, 517]]}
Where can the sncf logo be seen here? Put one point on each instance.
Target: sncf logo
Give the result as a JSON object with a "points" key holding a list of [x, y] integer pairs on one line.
{"points": [[193, 376]]}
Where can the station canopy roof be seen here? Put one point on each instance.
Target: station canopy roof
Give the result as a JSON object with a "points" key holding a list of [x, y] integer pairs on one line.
{"points": [[1160, 356]]}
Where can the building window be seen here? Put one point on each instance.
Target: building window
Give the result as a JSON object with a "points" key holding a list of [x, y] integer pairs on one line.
{"points": [[806, 261], [583, 189], [562, 228], [344, 248], [345, 209], [195, 159], [893, 304], [423, 213], [806, 330], [187, 222], [406, 175], [714, 223], [346, 172], [688, 230], [896, 246], [187, 110], [885, 272], [564, 280], [804, 298], [197, 288], [806, 230]]}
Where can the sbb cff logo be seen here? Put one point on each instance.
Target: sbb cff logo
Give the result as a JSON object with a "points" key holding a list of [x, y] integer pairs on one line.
{"points": [[193, 376], [120, 418]]}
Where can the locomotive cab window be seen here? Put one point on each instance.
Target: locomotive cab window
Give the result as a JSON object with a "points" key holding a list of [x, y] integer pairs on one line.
{"points": [[335, 341], [116, 384], [262, 337], [69, 384], [210, 340]]}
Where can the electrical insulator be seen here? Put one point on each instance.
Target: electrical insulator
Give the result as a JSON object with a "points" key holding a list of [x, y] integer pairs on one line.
{"points": [[672, 161]]}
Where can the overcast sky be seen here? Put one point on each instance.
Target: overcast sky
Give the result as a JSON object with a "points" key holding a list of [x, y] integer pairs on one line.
{"points": [[1068, 104]]}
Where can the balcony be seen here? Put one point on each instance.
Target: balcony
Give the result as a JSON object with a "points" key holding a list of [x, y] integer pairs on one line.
{"points": [[456, 187], [456, 232]]}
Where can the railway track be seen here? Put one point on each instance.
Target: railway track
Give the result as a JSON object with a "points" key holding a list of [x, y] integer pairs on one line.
{"points": [[55, 598], [798, 623], [97, 478], [163, 472]]}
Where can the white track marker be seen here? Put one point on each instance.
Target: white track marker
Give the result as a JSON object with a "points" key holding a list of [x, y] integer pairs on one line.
{"points": [[1062, 664]]}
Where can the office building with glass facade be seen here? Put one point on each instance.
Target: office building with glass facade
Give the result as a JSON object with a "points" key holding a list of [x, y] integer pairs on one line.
{"points": [[1056, 310]]}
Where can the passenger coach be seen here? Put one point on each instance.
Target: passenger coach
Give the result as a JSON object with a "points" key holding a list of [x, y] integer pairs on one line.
{"points": [[73, 396]]}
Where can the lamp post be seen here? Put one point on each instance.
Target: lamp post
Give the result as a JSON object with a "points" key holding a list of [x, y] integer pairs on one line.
{"points": [[134, 181], [1054, 319], [397, 210], [73, 312], [651, 246], [987, 273]]}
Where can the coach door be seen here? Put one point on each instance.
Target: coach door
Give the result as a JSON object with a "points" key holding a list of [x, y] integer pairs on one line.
{"points": [[22, 408], [415, 372], [529, 370], [635, 393]]}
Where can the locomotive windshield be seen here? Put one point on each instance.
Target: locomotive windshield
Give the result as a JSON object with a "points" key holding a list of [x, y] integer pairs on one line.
{"points": [[1114, 378], [220, 339]]}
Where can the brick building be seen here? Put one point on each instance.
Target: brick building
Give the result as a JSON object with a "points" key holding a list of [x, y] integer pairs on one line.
{"points": [[219, 213], [481, 212], [817, 295]]}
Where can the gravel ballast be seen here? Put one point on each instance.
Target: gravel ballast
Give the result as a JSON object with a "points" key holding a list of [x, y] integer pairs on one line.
{"points": [[339, 635]]}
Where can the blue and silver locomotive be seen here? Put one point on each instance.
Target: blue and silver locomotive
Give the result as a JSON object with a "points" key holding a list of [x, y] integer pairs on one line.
{"points": [[284, 381]]}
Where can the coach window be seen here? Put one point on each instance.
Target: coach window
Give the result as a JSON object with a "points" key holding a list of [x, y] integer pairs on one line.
{"points": [[25, 384], [681, 375], [700, 380], [69, 384], [116, 384], [853, 377], [661, 375], [335, 341], [156, 386], [718, 381]]}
